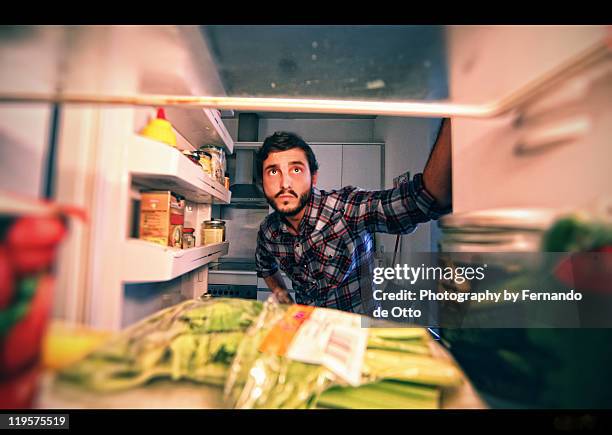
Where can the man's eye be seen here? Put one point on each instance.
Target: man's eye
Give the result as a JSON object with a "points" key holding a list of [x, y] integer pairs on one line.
{"points": [[297, 170], [272, 172]]}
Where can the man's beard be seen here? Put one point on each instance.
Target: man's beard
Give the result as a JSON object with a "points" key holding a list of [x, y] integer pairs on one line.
{"points": [[304, 198]]}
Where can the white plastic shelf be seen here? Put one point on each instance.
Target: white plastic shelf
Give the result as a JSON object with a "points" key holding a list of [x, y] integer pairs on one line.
{"points": [[155, 165], [150, 262], [200, 127]]}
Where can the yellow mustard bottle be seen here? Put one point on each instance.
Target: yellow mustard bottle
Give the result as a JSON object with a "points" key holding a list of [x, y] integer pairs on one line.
{"points": [[160, 129]]}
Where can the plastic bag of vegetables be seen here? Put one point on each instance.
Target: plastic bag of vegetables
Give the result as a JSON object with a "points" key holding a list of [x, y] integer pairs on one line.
{"points": [[302, 357], [195, 340]]}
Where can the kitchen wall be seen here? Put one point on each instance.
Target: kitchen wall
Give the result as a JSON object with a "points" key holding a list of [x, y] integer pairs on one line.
{"points": [[408, 142], [313, 130], [321, 130]]}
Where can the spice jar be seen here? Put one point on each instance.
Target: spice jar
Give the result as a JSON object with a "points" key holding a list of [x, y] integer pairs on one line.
{"points": [[205, 160], [188, 238], [218, 163], [213, 231]]}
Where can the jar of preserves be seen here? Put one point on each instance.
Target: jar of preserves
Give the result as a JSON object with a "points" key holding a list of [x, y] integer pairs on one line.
{"points": [[213, 231], [188, 238]]}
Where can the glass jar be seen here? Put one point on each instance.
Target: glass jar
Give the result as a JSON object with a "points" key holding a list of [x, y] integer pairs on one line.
{"points": [[530, 366], [218, 161], [213, 231], [507, 241], [188, 238], [205, 160]]}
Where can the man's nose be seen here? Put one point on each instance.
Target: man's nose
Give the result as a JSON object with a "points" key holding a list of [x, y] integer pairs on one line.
{"points": [[285, 182]]}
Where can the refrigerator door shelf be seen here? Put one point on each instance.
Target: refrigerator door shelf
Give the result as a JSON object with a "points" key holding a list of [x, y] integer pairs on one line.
{"points": [[149, 262], [157, 166]]}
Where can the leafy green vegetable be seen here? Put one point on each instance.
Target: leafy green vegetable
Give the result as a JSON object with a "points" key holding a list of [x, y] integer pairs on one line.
{"points": [[384, 394], [194, 340], [266, 380], [575, 234]]}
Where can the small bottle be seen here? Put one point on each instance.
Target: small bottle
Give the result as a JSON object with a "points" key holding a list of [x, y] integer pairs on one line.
{"points": [[160, 129], [188, 238]]}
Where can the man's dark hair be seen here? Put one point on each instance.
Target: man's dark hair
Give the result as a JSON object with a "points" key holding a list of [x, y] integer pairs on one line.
{"points": [[283, 141]]}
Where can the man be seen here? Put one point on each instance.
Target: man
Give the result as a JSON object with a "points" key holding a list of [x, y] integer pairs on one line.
{"points": [[324, 240]]}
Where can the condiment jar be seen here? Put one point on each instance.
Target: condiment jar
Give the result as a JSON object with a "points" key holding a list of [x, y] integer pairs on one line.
{"points": [[188, 238], [213, 231], [205, 160]]}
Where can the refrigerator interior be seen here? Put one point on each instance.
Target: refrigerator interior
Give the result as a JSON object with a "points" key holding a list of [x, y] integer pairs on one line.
{"points": [[551, 150]]}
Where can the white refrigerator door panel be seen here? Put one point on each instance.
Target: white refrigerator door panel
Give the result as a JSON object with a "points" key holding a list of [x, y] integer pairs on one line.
{"points": [[559, 157]]}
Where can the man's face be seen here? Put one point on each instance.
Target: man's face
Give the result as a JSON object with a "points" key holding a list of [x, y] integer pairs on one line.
{"points": [[287, 181]]}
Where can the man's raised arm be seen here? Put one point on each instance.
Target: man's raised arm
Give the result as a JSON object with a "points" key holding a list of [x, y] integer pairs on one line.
{"points": [[437, 176]]}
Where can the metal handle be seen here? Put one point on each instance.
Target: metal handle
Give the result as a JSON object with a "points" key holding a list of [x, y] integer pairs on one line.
{"points": [[542, 139]]}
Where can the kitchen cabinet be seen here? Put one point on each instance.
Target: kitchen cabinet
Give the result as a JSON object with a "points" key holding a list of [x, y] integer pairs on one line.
{"points": [[344, 164], [330, 165], [362, 166], [338, 164]]}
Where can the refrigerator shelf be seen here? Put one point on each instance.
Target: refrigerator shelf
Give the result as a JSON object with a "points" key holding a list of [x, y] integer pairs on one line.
{"points": [[200, 127], [149, 262], [155, 165]]}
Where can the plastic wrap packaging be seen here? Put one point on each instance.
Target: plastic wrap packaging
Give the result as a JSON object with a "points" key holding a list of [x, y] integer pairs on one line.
{"points": [[303, 357], [195, 340]]}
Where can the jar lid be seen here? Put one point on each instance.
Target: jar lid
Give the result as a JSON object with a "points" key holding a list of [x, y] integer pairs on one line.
{"points": [[215, 222], [530, 219], [211, 147], [188, 230]]}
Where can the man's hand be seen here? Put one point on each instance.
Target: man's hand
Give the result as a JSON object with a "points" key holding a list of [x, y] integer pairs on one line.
{"points": [[437, 175], [283, 297], [277, 285]]}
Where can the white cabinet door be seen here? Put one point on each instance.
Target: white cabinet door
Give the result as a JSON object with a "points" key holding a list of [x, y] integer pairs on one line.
{"points": [[330, 166], [361, 166]]}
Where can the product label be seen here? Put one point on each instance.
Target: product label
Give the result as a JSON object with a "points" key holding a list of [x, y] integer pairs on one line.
{"points": [[280, 336], [212, 235], [330, 338]]}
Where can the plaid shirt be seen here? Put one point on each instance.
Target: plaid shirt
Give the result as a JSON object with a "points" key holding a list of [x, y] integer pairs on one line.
{"points": [[330, 261]]}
